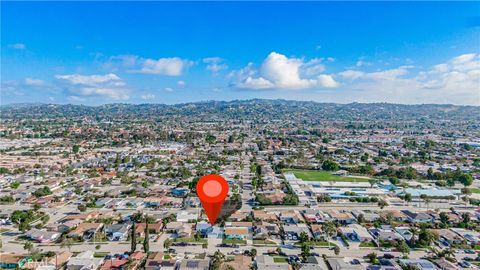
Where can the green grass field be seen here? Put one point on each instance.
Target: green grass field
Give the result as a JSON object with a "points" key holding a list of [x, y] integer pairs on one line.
{"points": [[310, 175], [475, 190]]}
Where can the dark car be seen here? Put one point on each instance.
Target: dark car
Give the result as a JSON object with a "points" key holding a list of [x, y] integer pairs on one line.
{"points": [[388, 256]]}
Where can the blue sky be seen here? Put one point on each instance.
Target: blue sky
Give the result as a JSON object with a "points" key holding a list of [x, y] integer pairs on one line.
{"points": [[164, 52]]}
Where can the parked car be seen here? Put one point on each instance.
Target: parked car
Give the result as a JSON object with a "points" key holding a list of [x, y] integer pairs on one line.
{"points": [[235, 252], [388, 256]]}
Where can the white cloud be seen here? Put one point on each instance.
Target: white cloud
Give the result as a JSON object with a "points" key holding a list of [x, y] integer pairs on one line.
{"points": [[257, 83], [17, 46], [92, 79], [165, 66], [109, 85], [34, 82], [280, 72], [173, 66], [168, 89], [215, 64], [148, 97], [456, 81], [181, 83]]}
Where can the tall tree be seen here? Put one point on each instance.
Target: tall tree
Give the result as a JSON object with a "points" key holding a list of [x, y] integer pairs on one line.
{"points": [[146, 246], [133, 238]]}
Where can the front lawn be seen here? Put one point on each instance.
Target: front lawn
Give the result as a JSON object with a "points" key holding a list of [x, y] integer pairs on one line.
{"points": [[368, 244], [100, 254], [280, 259], [264, 242], [190, 240], [312, 175], [234, 241], [318, 243]]}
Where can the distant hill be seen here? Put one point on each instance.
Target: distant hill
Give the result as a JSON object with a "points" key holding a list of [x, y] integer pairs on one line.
{"points": [[249, 110]]}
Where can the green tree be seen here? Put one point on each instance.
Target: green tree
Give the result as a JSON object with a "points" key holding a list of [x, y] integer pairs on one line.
{"points": [[75, 148], [15, 185], [414, 232], [133, 238], [82, 207], [330, 230], [303, 237], [330, 165], [444, 218], [372, 257], [146, 246], [465, 179], [305, 251], [253, 253], [28, 246], [402, 247], [382, 204], [217, 260]]}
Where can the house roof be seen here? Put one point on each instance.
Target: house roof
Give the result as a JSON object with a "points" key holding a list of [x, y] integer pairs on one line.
{"points": [[236, 231]]}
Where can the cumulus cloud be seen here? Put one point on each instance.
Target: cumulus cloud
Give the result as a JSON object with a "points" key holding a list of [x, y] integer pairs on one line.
{"points": [[456, 81], [165, 66], [280, 72], [109, 85], [172, 66], [17, 46], [215, 64]]}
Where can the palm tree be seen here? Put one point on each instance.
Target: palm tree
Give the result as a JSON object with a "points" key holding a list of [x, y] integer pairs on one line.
{"points": [[330, 230], [414, 232], [66, 242]]}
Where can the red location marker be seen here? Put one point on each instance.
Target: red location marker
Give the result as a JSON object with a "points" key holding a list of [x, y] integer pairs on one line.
{"points": [[212, 190]]}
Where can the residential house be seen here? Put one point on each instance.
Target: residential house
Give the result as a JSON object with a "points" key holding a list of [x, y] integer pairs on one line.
{"points": [[84, 261], [86, 230], [419, 264], [356, 232], [193, 264], [186, 216], [385, 234], [117, 232], [342, 217], [292, 232], [239, 262], [290, 217], [418, 217], [157, 261], [237, 233], [265, 262], [42, 236]]}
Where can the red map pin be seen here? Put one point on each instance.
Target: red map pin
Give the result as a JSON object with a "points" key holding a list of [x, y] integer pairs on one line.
{"points": [[212, 190]]}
